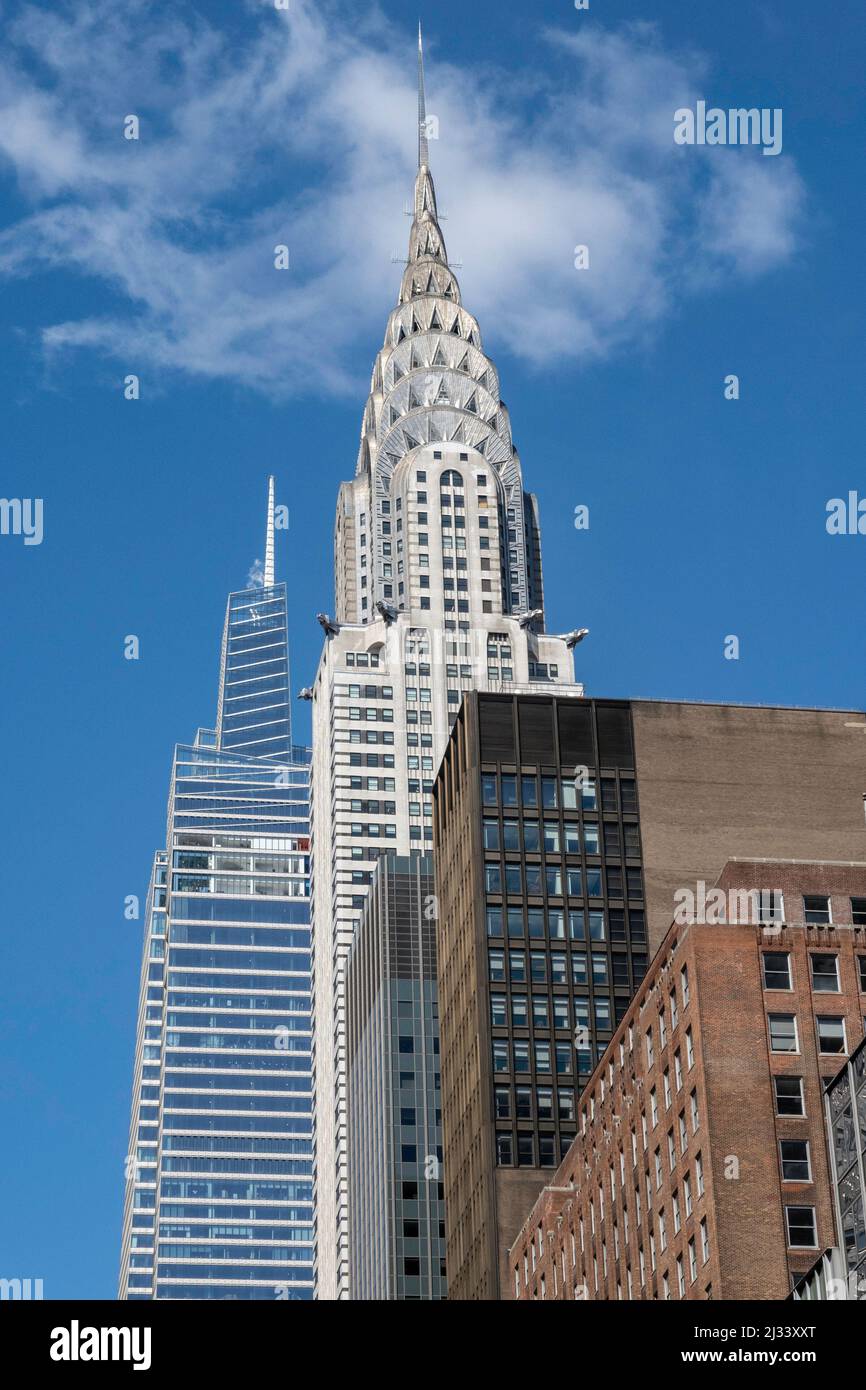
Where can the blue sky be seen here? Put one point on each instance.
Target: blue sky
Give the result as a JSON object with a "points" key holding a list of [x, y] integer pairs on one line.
{"points": [[155, 257]]}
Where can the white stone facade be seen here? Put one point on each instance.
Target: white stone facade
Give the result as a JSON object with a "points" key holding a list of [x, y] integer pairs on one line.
{"points": [[438, 591]]}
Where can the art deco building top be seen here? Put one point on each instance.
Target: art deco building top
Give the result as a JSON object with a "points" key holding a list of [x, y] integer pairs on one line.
{"points": [[432, 381]]}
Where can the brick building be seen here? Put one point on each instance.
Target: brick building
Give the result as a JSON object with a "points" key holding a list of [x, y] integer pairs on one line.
{"points": [[701, 1167], [553, 898]]}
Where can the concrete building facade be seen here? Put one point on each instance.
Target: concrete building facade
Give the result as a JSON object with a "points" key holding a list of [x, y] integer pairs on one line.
{"points": [[396, 1206]]}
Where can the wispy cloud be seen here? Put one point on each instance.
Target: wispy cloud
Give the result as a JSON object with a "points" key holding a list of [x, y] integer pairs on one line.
{"points": [[299, 129]]}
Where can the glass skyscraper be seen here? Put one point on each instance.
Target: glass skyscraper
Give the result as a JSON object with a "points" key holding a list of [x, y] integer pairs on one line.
{"points": [[218, 1199]]}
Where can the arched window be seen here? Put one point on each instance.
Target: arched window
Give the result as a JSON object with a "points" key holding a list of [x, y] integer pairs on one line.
{"points": [[451, 479]]}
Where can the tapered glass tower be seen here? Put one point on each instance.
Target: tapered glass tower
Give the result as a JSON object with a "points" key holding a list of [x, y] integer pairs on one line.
{"points": [[218, 1199]]}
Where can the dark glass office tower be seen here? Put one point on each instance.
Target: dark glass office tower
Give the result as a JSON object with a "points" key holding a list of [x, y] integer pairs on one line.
{"points": [[219, 1173]]}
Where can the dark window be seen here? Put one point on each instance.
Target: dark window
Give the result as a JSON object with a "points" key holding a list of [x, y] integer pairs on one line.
{"points": [[858, 912], [789, 1095], [525, 1151], [801, 1226], [777, 970], [611, 839], [794, 1154], [816, 907], [620, 972], [825, 973], [771, 907], [783, 1033], [616, 920], [831, 1034]]}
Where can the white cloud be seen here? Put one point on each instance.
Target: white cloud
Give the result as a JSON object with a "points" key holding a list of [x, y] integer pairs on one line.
{"points": [[302, 131]]}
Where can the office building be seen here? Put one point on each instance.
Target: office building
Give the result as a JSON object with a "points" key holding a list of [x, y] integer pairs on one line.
{"points": [[564, 831], [700, 1169], [439, 591], [218, 1201], [396, 1207]]}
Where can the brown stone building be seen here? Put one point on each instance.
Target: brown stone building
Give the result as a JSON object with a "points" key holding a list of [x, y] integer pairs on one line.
{"points": [[701, 1168], [555, 891]]}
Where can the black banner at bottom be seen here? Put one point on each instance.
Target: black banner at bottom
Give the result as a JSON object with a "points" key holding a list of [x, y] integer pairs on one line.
{"points": [[67, 1337]]}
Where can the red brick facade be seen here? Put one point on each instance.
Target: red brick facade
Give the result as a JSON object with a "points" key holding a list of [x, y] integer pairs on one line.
{"points": [[674, 1187]]}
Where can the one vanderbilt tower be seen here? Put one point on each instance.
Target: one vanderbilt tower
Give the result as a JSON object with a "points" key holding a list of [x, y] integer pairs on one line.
{"points": [[437, 559]]}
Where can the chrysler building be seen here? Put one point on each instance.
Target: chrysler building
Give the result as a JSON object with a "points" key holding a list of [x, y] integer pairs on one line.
{"points": [[437, 556]]}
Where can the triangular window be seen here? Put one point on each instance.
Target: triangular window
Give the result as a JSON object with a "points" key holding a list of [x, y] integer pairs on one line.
{"points": [[471, 405], [439, 358]]}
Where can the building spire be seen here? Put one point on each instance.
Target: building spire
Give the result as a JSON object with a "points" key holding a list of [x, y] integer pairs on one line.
{"points": [[423, 155], [269, 538]]}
